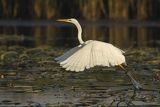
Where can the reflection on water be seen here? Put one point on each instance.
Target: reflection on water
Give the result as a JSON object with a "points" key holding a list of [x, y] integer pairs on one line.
{"points": [[123, 35]]}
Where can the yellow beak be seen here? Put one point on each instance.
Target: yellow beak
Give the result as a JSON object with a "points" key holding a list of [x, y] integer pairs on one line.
{"points": [[63, 20]]}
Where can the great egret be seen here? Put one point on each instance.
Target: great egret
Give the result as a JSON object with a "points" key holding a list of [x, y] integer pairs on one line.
{"points": [[92, 53]]}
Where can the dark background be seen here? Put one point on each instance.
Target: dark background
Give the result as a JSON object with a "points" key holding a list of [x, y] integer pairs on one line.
{"points": [[125, 23]]}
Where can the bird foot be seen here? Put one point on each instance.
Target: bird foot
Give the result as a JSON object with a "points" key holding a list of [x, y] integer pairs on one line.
{"points": [[136, 85]]}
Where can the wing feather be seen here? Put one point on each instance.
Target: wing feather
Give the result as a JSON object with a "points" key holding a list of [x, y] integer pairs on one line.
{"points": [[66, 62], [97, 57], [91, 59], [73, 68], [88, 59], [101, 58], [81, 60], [90, 54], [70, 61], [112, 56], [67, 54], [76, 68], [94, 58], [78, 61], [85, 57], [117, 55], [106, 58]]}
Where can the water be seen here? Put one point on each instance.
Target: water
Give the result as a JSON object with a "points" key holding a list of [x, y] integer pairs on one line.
{"points": [[31, 77], [38, 33], [75, 89]]}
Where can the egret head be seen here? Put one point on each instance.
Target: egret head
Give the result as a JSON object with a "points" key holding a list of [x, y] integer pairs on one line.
{"points": [[71, 20]]}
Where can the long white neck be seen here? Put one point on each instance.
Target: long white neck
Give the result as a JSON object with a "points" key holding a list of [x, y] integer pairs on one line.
{"points": [[79, 32]]}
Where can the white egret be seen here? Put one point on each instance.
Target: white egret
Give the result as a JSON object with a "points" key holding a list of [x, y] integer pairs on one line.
{"points": [[92, 53]]}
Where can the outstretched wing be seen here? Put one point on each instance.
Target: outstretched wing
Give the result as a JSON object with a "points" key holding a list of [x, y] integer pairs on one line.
{"points": [[104, 54], [75, 59], [91, 54], [67, 54]]}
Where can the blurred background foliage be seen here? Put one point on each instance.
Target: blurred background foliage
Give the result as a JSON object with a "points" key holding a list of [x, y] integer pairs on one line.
{"points": [[104, 11], [85, 9]]}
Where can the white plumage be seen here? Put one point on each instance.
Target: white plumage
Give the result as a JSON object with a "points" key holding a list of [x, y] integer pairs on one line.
{"points": [[90, 53]]}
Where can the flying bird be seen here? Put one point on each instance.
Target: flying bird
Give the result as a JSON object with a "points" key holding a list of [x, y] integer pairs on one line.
{"points": [[92, 53]]}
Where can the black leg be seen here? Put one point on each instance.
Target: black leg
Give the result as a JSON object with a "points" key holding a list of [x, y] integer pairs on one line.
{"points": [[136, 84]]}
